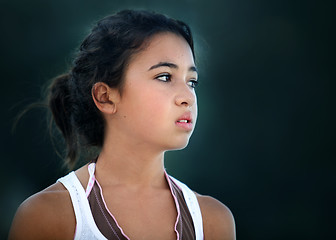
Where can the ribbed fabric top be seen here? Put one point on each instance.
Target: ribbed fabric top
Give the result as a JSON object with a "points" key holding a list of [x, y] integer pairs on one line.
{"points": [[108, 225]]}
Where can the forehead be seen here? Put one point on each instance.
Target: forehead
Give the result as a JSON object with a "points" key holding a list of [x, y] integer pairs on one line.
{"points": [[164, 47]]}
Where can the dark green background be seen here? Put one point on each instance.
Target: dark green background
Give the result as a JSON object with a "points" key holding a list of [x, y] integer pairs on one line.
{"points": [[265, 140]]}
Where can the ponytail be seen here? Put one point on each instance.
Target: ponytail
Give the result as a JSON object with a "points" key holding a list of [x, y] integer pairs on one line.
{"points": [[59, 101]]}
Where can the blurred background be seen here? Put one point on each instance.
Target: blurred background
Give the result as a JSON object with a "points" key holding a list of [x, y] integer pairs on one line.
{"points": [[265, 138]]}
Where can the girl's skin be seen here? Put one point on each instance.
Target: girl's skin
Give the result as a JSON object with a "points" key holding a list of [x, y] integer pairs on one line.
{"points": [[141, 124]]}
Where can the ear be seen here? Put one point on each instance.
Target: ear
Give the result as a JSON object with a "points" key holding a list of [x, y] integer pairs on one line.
{"points": [[105, 98]]}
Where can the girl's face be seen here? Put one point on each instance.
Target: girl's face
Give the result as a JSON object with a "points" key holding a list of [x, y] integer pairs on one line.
{"points": [[158, 106]]}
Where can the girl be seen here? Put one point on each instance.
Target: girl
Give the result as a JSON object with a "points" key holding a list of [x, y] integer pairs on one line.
{"points": [[130, 93]]}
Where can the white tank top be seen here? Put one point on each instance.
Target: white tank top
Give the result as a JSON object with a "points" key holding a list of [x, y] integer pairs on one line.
{"points": [[86, 228]]}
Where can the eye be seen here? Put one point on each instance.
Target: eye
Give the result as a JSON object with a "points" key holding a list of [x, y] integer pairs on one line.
{"points": [[193, 83], [164, 77]]}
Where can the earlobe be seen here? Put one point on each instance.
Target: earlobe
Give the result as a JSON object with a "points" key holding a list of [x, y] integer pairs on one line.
{"points": [[105, 98]]}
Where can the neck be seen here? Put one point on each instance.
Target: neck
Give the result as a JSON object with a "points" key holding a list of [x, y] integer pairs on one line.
{"points": [[130, 164]]}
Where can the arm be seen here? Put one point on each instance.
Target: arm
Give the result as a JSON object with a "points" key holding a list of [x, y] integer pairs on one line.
{"points": [[45, 215], [218, 221]]}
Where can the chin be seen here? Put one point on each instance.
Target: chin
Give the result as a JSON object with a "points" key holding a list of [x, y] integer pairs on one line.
{"points": [[178, 146]]}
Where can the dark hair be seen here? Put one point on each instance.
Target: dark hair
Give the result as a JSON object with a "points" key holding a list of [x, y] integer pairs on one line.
{"points": [[102, 57]]}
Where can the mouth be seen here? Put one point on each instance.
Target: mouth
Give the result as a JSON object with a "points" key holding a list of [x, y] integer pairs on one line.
{"points": [[185, 121]]}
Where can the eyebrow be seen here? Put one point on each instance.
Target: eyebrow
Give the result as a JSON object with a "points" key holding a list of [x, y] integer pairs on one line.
{"points": [[170, 65]]}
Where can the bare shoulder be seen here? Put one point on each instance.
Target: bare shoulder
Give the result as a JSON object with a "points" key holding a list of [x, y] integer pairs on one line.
{"points": [[218, 221], [45, 215]]}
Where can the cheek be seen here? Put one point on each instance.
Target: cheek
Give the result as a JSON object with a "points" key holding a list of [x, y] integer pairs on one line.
{"points": [[149, 106], [155, 106]]}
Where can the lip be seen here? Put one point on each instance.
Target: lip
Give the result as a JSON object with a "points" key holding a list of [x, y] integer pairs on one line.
{"points": [[188, 126]]}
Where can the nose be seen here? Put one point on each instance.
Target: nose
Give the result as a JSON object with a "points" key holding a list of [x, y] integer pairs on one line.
{"points": [[185, 96]]}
